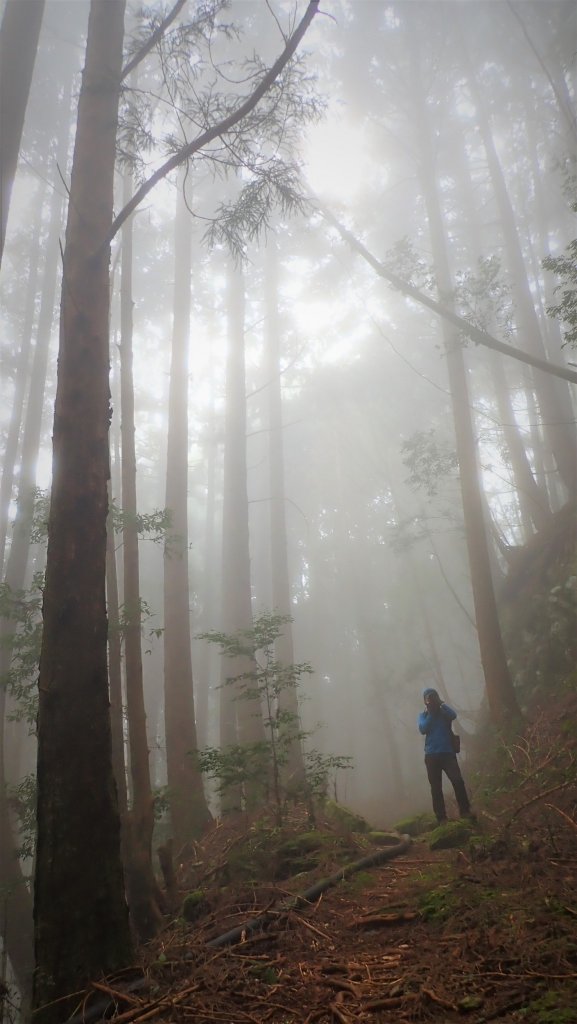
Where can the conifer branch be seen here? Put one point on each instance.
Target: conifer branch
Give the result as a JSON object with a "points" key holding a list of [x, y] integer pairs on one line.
{"points": [[219, 129], [151, 42]]}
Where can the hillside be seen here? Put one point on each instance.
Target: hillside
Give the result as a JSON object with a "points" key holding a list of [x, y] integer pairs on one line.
{"points": [[485, 930]]}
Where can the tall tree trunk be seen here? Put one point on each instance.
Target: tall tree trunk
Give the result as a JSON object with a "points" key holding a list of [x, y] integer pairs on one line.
{"points": [[240, 721], [499, 686], [210, 574], [141, 885], [18, 903], [19, 36], [553, 395], [115, 674], [281, 591], [188, 807], [22, 377], [533, 502], [81, 917]]}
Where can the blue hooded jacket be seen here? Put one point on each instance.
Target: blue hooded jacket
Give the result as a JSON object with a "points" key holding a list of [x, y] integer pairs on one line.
{"points": [[435, 726]]}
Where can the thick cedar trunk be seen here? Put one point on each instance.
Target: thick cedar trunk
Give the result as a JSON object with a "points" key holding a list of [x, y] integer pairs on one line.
{"points": [[188, 808], [499, 686], [18, 905], [18, 46], [281, 591], [141, 887], [81, 917]]}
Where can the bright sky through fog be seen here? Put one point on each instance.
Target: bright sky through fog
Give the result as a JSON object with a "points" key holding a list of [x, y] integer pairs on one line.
{"points": [[336, 162]]}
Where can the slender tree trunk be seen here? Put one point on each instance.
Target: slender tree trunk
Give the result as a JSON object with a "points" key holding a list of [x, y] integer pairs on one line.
{"points": [[533, 502], [281, 590], [16, 928], [188, 808], [553, 396], [115, 674], [81, 917], [210, 575], [141, 887], [500, 692], [22, 378], [19, 36], [240, 721]]}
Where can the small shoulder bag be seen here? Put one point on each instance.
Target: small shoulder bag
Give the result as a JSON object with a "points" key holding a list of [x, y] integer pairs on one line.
{"points": [[456, 741]]}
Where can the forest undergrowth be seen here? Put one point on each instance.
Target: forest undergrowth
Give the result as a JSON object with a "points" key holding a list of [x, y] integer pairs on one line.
{"points": [[475, 923]]}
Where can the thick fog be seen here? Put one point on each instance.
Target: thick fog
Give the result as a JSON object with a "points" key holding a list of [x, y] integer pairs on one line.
{"points": [[291, 431]]}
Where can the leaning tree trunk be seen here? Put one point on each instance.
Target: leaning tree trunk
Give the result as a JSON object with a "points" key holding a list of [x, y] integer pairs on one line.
{"points": [[189, 811], [19, 36], [500, 693], [81, 917]]}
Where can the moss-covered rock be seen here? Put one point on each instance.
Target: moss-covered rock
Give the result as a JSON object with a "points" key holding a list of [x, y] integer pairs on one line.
{"points": [[300, 853], [417, 825], [383, 838], [451, 835], [194, 905], [437, 904], [344, 819]]}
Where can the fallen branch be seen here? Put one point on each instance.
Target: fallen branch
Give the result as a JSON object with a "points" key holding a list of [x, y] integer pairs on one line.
{"points": [[434, 998], [116, 994], [569, 820], [389, 1002], [384, 919], [310, 895], [535, 799]]}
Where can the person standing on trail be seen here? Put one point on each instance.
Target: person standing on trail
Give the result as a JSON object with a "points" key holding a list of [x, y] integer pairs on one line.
{"points": [[435, 725]]}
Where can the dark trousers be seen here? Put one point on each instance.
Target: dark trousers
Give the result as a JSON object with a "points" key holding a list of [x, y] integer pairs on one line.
{"points": [[436, 764]]}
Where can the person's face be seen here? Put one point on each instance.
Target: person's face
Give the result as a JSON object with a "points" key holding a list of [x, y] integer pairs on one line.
{"points": [[431, 701]]}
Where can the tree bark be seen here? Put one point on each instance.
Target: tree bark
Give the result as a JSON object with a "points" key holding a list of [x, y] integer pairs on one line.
{"points": [[81, 917]]}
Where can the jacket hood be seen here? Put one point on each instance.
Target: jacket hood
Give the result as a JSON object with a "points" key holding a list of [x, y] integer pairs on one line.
{"points": [[429, 692]]}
